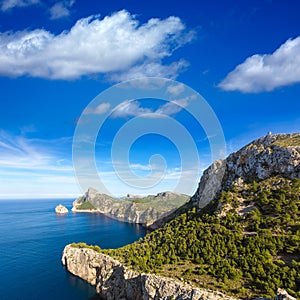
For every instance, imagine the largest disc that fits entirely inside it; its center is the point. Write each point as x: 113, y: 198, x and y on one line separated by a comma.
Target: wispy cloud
x: 175, y: 106
x: 266, y: 72
x: 10, y: 4
x: 19, y: 152
x: 35, y: 168
x: 99, y: 110
x: 116, y: 46
x: 175, y: 89
x: 149, y: 69
x: 61, y: 9
x: 129, y: 108
x: 133, y: 108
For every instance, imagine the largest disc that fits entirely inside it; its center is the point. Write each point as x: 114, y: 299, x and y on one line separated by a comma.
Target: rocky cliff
x: 274, y: 154
x: 114, y: 281
x: 274, y: 162
x: 132, y: 209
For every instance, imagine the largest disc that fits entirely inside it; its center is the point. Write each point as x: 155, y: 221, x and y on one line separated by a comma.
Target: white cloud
x: 132, y: 108
x: 10, y: 4
x: 140, y: 167
x: 115, y: 46
x: 175, y: 89
x: 266, y: 72
x: 61, y: 9
x: 175, y: 106
x: 34, y: 168
x: 19, y: 152
x: 99, y: 110
x: 149, y: 69
x: 129, y: 108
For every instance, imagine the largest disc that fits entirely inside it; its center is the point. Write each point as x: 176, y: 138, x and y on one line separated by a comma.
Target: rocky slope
x: 249, y: 201
x: 271, y: 155
x: 132, y: 209
x: 114, y: 281
x: 274, y: 154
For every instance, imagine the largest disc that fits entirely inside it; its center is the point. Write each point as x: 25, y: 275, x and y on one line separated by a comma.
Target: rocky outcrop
x: 274, y: 154
x: 280, y: 295
x: 132, y: 209
x: 114, y: 281
x: 61, y: 210
x: 283, y: 295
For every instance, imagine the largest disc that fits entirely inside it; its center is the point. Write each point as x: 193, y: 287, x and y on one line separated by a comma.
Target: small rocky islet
x: 61, y: 210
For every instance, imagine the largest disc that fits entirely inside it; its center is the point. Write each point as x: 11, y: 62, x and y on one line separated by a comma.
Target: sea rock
x: 265, y: 157
x: 115, y: 281
x: 61, y: 210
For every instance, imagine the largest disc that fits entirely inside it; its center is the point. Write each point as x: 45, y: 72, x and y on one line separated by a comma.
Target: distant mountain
x: 132, y: 209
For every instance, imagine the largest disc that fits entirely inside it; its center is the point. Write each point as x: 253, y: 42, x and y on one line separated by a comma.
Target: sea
x: 32, y: 238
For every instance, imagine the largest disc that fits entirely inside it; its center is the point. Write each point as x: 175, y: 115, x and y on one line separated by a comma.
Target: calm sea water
x: 32, y: 238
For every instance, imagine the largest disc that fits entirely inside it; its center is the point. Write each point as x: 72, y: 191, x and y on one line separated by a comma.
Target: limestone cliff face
x: 133, y: 209
x: 274, y: 154
x: 114, y: 281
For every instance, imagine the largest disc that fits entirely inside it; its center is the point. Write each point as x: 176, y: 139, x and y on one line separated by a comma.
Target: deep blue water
x: 32, y: 238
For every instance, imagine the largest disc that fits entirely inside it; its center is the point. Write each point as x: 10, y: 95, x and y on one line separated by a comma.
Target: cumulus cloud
x: 10, y: 4
x: 266, y: 72
x: 61, y: 9
x: 117, y: 46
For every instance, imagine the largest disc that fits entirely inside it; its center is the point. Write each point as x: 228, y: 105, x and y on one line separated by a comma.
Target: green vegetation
x: 159, y: 202
x: 246, y: 242
x: 84, y: 245
x: 293, y: 140
x: 86, y: 205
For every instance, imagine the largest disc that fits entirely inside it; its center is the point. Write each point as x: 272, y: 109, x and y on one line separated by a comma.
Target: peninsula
x: 238, y: 235
x: 132, y: 209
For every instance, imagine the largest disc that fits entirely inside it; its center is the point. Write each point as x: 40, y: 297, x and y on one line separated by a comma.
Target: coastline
x: 113, y: 280
x: 93, y: 211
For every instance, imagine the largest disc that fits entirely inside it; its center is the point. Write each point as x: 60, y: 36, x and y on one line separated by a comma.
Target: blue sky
x: 243, y: 57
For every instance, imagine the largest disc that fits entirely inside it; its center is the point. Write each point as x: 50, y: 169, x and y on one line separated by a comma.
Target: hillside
x: 246, y: 240
x: 132, y: 209
x: 240, y: 232
x: 271, y: 155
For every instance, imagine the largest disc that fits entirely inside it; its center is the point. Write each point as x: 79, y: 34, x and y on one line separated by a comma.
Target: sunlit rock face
x: 61, y: 210
x: 274, y: 154
x: 114, y: 281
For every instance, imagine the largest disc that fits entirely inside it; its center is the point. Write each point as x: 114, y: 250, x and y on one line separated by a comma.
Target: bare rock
x: 114, y: 281
x: 274, y: 154
x: 61, y: 210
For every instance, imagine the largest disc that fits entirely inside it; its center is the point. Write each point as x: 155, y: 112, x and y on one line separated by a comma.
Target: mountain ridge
x: 273, y: 154
x: 133, y: 209
x: 240, y: 232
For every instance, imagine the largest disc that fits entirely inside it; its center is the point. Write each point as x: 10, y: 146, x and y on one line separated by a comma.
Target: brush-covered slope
x: 242, y: 237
